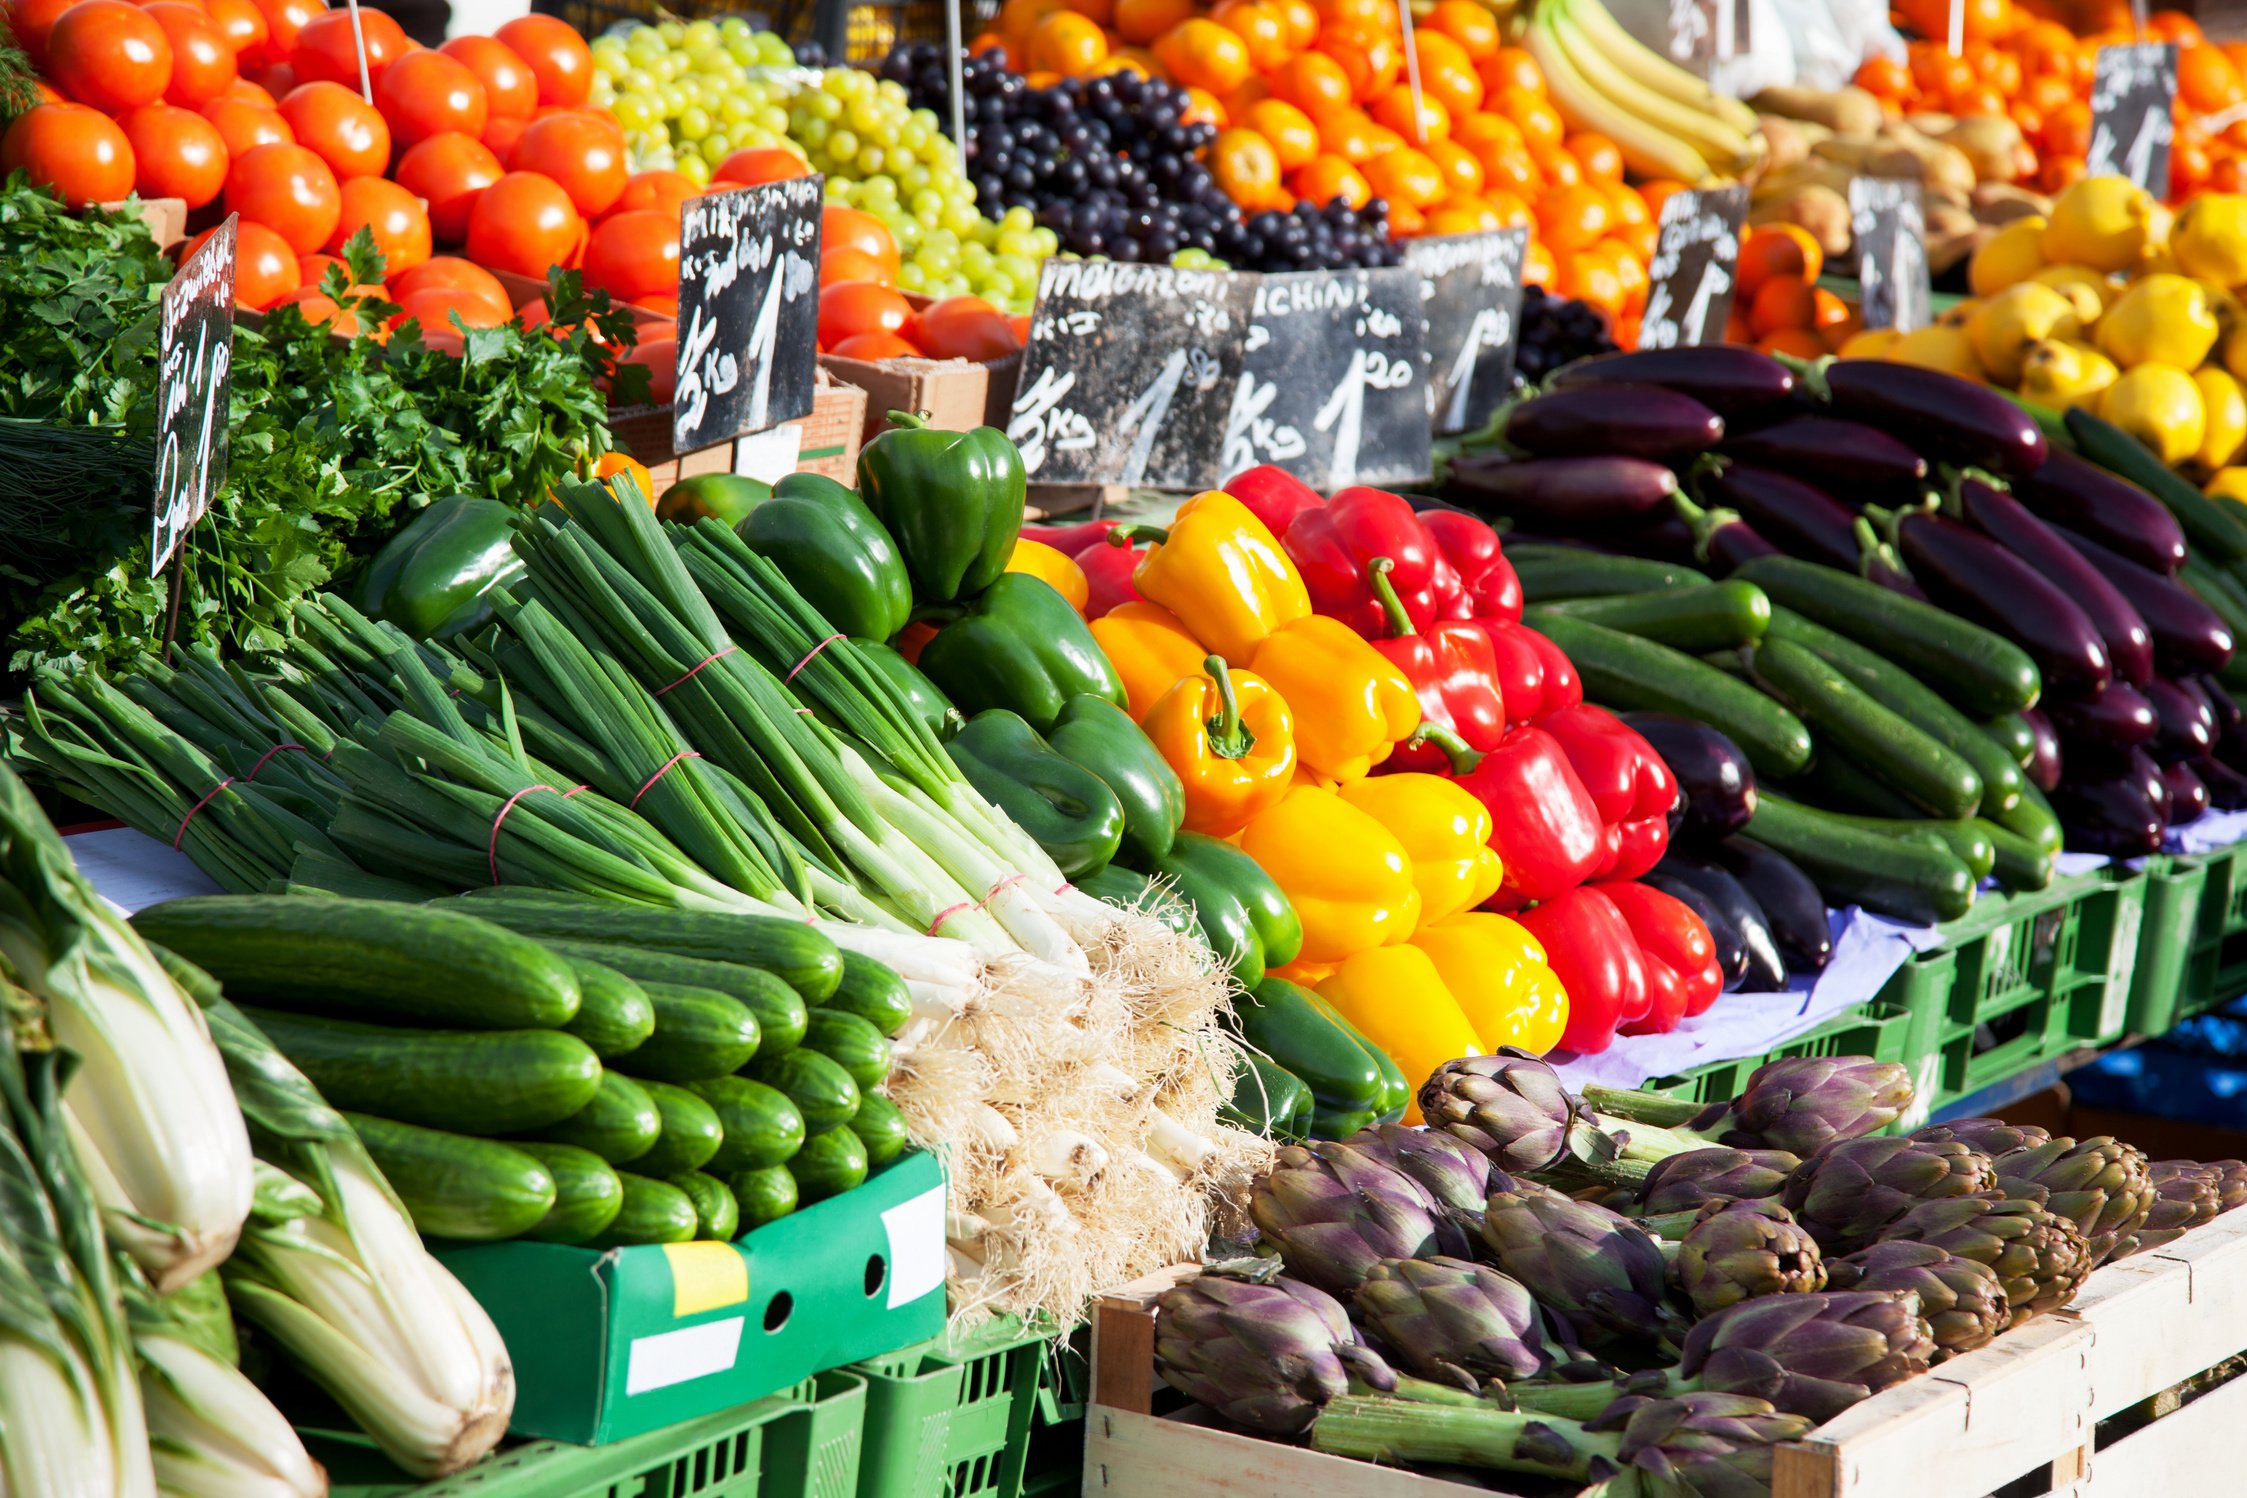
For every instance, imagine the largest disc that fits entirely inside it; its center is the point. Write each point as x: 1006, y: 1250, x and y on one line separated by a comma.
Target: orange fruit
x: 2057, y: 173
x: 2173, y: 26
x: 1511, y: 208
x: 1510, y: 168
x: 1637, y: 238
x: 1540, y: 123
x: 1784, y: 252
x: 1260, y: 27
x: 1067, y: 43
x: 1394, y: 109
x: 1294, y: 138
x: 1599, y: 156
x: 1511, y: 67
x: 1623, y: 200
x: 1781, y: 303
x: 1799, y: 343
x: 1017, y: 20
x: 1141, y: 21
x: 1537, y: 267
x: 1303, y: 23
x: 1099, y: 12
x: 1205, y: 108
x: 1330, y: 177
x: 1349, y: 135
x: 1373, y: 61
x: 1314, y: 83
x: 1202, y: 54
x: 1472, y: 26
x: 1245, y: 165
x: 1460, y: 169
x: 2206, y: 79
x: 1447, y: 72
x: 1573, y: 218
x: 1406, y: 176
x: 1587, y: 277
x: 1406, y: 221
x: 1462, y: 215
x: 1370, y: 14
x: 1560, y: 168
x: 2067, y: 130
x: 1656, y: 191
x: 1827, y: 310
x: 1630, y: 273
x: 1886, y: 78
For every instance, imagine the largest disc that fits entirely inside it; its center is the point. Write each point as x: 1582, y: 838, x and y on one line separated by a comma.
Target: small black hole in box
x: 877, y: 1274
x: 777, y: 1311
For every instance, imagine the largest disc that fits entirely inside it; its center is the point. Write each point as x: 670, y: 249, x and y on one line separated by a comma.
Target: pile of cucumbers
x: 527, y: 1064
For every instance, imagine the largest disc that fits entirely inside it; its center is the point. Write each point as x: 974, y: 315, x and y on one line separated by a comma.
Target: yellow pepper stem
x: 1229, y: 737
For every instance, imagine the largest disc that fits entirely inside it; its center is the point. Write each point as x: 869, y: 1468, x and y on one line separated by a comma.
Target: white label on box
x: 668, y: 1358
x: 769, y: 456
x: 916, y: 1247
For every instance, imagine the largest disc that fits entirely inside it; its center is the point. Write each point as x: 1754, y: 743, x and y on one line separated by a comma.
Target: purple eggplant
x: 2043, y: 768
x: 1730, y: 947
x: 1971, y: 575
x: 1718, y: 784
x: 2226, y: 787
x: 2105, y: 725
x: 2112, y: 511
x: 1789, y: 901
x: 1629, y: 421
x: 1583, y: 492
x: 1732, y: 542
x: 1823, y: 449
x: 2188, y: 635
x: 1949, y: 419
x: 2185, y: 720
x: 2010, y: 524
x: 1800, y: 520
x: 2121, y: 816
x: 1727, y: 378
x: 1766, y: 970
x: 2188, y: 794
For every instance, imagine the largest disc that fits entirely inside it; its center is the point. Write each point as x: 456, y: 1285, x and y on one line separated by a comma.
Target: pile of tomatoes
x: 863, y: 314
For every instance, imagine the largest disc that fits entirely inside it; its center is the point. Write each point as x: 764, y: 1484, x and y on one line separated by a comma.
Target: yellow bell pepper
x: 1352, y: 707
x: 1496, y: 970
x: 1347, y: 876
x: 1445, y: 832
x: 1398, y: 1000
x: 1043, y: 562
x: 1221, y: 572
x: 1230, y: 738
x: 1150, y: 650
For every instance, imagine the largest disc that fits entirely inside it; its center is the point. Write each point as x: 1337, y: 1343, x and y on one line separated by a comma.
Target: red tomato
x: 665, y: 192
x: 557, y: 56
x: 434, y: 307
x: 30, y: 20
x: 276, y: 78
x: 660, y: 358
x: 347, y: 132
x: 854, y: 307
x: 757, y: 164
x: 389, y: 212
x: 503, y: 134
x: 450, y: 272
x: 79, y: 152
x: 176, y: 153
x: 510, y: 88
x: 843, y: 228
x: 264, y: 268
x: 448, y: 171
x: 283, y: 20
x: 202, y: 60
x: 245, y: 127
x: 427, y: 93
x: 525, y: 223
x: 109, y: 55
x: 242, y: 91
x: 874, y: 347
x: 965, y: 327
x: 289, y: 190
x: 578, y: 152
x: 634, y: 255
x: 317, y: 308
x: 242, y: 24
x: 667, y: 304
x: 325, y: 49
x: 841, y: 263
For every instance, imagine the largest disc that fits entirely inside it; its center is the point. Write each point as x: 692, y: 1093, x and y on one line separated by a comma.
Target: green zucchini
x: 1125, y: 890
x: 691, y: 1132
x: 2012, y: 734
x: 1916, y: 878
x: 718, y: 1213
x: 791, y: 950
x: 473, y: 1190
x: 1624, y: 672
x: 851, y: 1043
x: 2033, y: 819
x: 761, y: 1126
x: 467, y: 1081
x: 829, y: 1164
x: 614, y: 1016
x: 762, y: 1196
x: 1551, y: 572
x: 652, y: 1212
x: 368, y: 959
x: 1844, y: 717
x: 699, y: 1033
x: 2211, y: 531
x: 621, y: 1124
x: 1981, y: 673
x: 873, y: 992
x: 587, y: 1194
x: 881, y: 1128
x: 822, y: 1091
x: 2020, y: 863
x: 779, y: 1009
x: 1721, y: 616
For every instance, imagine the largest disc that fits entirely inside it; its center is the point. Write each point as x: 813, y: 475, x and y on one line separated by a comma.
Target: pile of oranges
x: 1777, y: 304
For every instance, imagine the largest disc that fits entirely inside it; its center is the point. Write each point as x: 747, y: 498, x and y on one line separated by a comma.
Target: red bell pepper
x: 1487, y: 586
x: 1543, y: 823
x: 1273, y: 495
x: 1070, y: 539
x: 1682, y: 975
x: 1628, y: 780
x: 1333, y: 546
x: 1535, y: 676
x: 1107, y: 575
x: 1591, y: 950
x: 1452, y: 669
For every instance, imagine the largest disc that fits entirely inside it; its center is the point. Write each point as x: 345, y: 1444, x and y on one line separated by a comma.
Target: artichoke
x: 1992, y: 1136
x: 2231, y: 1182
x: 1453, y: 1174
x: 1458, y: 1322
x: 1683, y: 1183
x: 1333, y: 1211
x: 2101, y: 1185
x: 1705, y: 1444
x: 2040, y: 1257
x: 1513, y: 1109
x: 1799, y: 1104
x: 1267, y: 1356
x: 1596, y: 1267
x: 1963, y: 1300
x: 1850, y: 1191
x: 2187, y: 1193
x: 1813, y: 1355
x: 1736, y: 1251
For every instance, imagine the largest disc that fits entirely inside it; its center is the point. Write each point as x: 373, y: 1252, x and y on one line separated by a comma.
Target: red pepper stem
x: 1132, y: 535
x: 1464, y: 756
x: 1385, y: 594
x: 1229, y: 737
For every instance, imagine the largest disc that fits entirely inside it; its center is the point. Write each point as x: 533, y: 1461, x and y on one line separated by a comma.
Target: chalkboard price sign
x: 1692, y: 270
x: 194, y: 375
x: 1471, y: 288
x: 748, y: 311
x: 1126, y: 373
x: 1692, y: 33
x: 1335, y: 385
x: 1889, y: 219
x: 2133, y: 91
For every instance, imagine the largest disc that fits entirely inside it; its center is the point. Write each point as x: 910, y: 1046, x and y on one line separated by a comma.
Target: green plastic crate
x: 1878, y: 1029
x: 952, y: 1418
x: 2215, y: 971
x: 2175, y: 887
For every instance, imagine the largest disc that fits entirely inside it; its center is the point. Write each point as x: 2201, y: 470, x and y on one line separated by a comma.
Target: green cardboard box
x: 611, y: 1344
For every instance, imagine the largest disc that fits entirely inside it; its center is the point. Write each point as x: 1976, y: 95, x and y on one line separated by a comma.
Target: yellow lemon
x: 2080, y: 282
x: 2061, y: 374
x: 2105, y: 223
x: 2160, y: 406
x: 2224, y: 405
x: 2210, y: 240
x: 1958, y: 313
x: 1870, y: 343
x: 2003, y: 327
x: 2014, y: 253
x: 2228, y: 483
x: 2160, y: 319
x: 1938, y: 347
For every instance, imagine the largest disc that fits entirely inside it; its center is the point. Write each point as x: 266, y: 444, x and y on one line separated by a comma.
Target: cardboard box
x: 827, y: 440
x: 612, y: 1344
x: 955, y: 394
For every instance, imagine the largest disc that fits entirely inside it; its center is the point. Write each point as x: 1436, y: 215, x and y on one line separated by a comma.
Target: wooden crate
x: 2029, y: 1403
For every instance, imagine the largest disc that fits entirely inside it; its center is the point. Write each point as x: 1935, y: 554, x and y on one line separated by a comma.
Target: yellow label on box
x: 705, y: 1276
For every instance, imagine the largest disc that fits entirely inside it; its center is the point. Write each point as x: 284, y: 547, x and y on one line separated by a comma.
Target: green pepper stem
x: 911, y: 421
x: 1132, y: 535
x: 1385, y: 593
x: 1464, y: 756
x: 1229, y: 737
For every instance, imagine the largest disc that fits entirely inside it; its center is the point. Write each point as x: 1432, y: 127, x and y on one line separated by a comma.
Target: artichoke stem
x: 1647, y: 1142
x: 1375, y: 1429
x: 1642, y: 1107
x: 1584, y: 1401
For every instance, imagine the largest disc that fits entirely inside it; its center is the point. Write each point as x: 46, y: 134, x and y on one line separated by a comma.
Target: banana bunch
x: 1666, y: 122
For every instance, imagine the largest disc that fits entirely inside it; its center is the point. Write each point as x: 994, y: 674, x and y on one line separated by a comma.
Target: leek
x: 211, y: 1432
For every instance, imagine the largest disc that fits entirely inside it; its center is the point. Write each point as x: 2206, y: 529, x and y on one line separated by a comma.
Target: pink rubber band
x: 198, y: 806
x: 1065, y: 888
x: 822, y: 645
x: 946, y: 914
x: 268, y: 754
x: 994, y: 891
x: 634, y: 803
x: 491, y: 854
x: 698, y: 665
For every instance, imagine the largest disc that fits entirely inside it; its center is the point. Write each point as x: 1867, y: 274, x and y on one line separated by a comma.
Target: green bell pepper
x: 1069, y: 810
x: 1270, y: 1100
x: 1120, y: 887
x: 919, y: 693
x: 726, y: 497
x: 836, y: 553
x: 434, y: 578
x: 1283, y: 1021
x: 1396, y: 1088
x: 952, y: 500
x: 1243, y: 915
x: 1020, y: 646
x: 1099, y: 735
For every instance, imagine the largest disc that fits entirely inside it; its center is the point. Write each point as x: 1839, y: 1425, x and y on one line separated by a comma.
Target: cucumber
x: 475, y: 1190
x: 614, y: 1016
x: 762, y: 1196
x: 587, y: 1194
x: 621, y: 1124
x: 2012, y: 734
x: 1549, y: 572
x: 1120, y: 887
x: 1626, y: 673
x: 691, y: 1132
x: 822, y: 1091
x: 1838, y: 783
x: 2020, y: 863
x: 881, y: 1128
x: 368, y: 959
x: 873, y: 992
x: 2211, y: 531
x: 652, y: 1212
x: 719, y: 1214
x: 2226, y: 595
x: 851, y: 1043
x: 2033, y: 819
x: 1844, y: 716
x: 778, y: 1008
x: 467, y: 1081
x: 1721, y: 616
x: 808, y: 962
x: 829, y: 1164
x: 1914, y: 878
x: 1981, y: 673
x: 762, y: 1127
x: 700, y: 1033
x: 1968, y: 839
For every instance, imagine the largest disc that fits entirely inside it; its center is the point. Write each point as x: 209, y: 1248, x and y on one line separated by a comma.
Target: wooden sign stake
x: 955, y: 69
